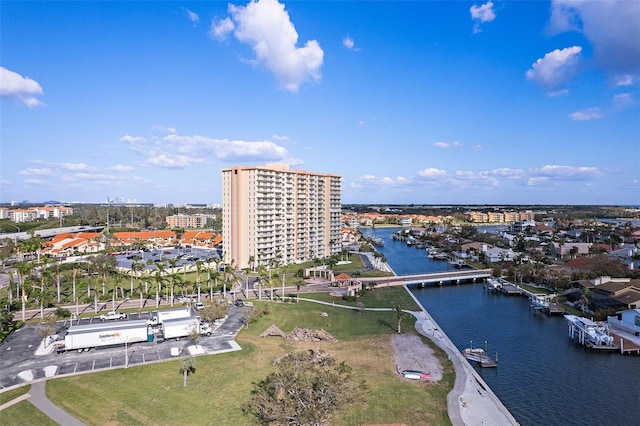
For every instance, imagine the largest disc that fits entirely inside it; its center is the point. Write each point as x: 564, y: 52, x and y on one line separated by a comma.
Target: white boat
x: 589, y: 333
x: 493, y: 285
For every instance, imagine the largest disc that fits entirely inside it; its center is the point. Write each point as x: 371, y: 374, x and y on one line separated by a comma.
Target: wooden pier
x: 480, y: 356
x: 626, y: 346
x: 511, y: 290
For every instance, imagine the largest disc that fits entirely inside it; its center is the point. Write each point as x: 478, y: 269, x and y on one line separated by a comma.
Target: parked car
x: 239, y: 302
x: 198, y: 306
x: 113, y: 316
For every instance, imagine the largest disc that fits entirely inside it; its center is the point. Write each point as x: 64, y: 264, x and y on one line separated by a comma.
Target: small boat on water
x: 480, y: 356
x: 415, y: 375
x: 376, y: 241
x: 493, y: 285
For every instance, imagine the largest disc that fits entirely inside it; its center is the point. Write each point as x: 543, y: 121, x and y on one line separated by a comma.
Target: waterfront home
x: 628, y: 255
x: 567, y: 249
x: 497, y: 254
x: 611, y: 293
x: 628, y: 320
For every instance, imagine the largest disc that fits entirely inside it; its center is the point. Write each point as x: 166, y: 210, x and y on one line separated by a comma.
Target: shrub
x: 63, y: 313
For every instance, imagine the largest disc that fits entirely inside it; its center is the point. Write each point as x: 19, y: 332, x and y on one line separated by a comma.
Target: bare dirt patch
x: 411, y: 353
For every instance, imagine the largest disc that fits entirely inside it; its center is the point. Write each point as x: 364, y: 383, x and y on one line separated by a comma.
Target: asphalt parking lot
x: 19, y: 362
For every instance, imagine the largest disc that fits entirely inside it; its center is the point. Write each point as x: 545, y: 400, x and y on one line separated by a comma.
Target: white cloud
x: 163, y: 129
x: 557, y: 172
x: 74, y: 166
x: 177, y: 151
x: 610, y: 26
x: 36, y: 172
x: 373, y: 181
x: 622, y: 100
x: 481, y: 14
x: 348, y: 42
x: 505, y: 173
x: 538, y: 181
x: 265, y: 26
x: 19, y: 88
x: 193, y: 17
x: 221, y: 28
x: 122, y: 169
x: 623, y: 80
x: 553, y: 71
x: 431, y: 173
x: 587, y: 114
x: 94, y: 177
x: 172, y: 161
x: 441, y: 144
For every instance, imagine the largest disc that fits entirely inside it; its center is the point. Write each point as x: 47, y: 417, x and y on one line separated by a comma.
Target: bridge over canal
x: 437, y: 278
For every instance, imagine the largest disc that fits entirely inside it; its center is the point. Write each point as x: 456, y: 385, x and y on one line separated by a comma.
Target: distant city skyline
x: 423, y: 102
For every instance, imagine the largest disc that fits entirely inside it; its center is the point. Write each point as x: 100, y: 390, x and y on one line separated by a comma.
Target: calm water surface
x: 542, y: 378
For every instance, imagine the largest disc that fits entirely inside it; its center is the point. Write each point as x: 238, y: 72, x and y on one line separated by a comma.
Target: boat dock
x: 626, y: 346
x: 543, y: 303
x: 480, y: 356
x: 589, y: 333
x: 510, y: 289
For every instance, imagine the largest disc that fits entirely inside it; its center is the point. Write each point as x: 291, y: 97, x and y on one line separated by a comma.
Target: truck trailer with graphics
x: 84, y: 337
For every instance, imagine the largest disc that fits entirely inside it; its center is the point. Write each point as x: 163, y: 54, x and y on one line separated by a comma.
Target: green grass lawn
x: 378, y: 298
x: 13, y: 394
x: 153, y: 394
x: 24, y: 413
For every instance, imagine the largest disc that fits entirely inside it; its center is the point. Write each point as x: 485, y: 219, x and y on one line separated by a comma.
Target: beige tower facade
x: 272, y: 215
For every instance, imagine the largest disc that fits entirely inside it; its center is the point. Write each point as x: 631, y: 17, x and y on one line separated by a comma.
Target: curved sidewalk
x: 471, y: 401
x: 38, y: 398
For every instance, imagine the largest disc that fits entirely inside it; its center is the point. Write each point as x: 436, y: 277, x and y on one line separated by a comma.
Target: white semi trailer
x: 168, y: 314
x: 182, y: 327
x: 84, y: 337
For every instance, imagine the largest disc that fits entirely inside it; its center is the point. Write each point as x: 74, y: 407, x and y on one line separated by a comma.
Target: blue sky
x: 426, y: 102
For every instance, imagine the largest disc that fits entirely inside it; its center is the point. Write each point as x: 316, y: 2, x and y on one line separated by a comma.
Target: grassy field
x: 13, y: 393
x: 24, y: 413
x: 153, y: 394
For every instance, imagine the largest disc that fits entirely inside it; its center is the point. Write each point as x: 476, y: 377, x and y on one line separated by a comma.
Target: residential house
x: 627, y: 320
x: 497, y: 254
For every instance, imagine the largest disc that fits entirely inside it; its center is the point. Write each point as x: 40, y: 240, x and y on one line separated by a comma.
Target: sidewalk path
x: 41, y: 402
x: 471, y: 401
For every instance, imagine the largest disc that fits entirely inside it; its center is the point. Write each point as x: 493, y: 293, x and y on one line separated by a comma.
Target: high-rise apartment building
x: 272, y: 215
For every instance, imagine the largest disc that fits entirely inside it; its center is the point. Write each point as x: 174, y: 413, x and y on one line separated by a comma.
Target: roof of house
x: 197, y: 235
x: 580, y: 263
x: 144, y: 235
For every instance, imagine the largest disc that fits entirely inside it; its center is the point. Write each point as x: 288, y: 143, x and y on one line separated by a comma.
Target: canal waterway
x: 542, y: 377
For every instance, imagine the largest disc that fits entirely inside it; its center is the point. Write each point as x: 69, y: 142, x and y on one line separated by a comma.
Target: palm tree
x: 400, y: 315
x: 42, y: 297
x: 24, y: 269
x: 299, y: 283
x: 187, y: 366
x: 585, y: 297
x: 199, y: 266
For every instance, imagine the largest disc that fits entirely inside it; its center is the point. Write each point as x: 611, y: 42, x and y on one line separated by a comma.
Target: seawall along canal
x: 542, y: 377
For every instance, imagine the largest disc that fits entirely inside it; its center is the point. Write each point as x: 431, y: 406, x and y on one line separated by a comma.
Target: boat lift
x: 480, y: 356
